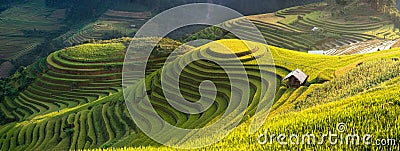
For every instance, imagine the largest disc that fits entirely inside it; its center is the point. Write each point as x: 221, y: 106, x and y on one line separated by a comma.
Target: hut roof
x: 300, y: 75
x: 319, y: 52
x: 315, y: 29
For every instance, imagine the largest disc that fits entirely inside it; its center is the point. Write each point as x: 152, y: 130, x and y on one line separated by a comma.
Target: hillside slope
x: 34, y: 29
x: 50, y: 94
x: 53, y: 111
x: 358, y: 29
x: 373, y: 112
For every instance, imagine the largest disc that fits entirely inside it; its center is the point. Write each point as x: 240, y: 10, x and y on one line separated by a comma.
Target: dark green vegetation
x: 5, y: 4
x: 27, y: 25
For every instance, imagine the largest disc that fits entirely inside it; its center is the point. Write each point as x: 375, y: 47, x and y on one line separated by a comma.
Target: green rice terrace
x: 30, y: 27
x: 318, y: 27
x: 73, y: 99
x: 110, y: 25
x: 34, y: 27
x: 22, y: 27
x: 72, y: 96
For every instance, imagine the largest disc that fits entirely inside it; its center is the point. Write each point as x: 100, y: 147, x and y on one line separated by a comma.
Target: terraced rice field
x: 362, y: 47
x: 112, y: 15
x: 32, y: 15
x: 122, y: 23
x: 95, y: 31
x: 192, y: 75
x: 90, y: 125
x: 74, y: 92
x: 349, y: 32
x: 376, y: 102
x: 196, y: 72
x: 91, y: 32
x: 76, y: 102
x: 291, y: 28
x: 352, y: 110
x: 64, y: 83
x: 73, y: 77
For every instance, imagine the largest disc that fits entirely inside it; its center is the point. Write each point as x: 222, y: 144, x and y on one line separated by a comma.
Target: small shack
x: 318, y: 52
x: 315, y: 29
x: 296, y: 78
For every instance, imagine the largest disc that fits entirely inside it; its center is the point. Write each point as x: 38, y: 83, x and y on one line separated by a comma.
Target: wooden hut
x: 295, y: 79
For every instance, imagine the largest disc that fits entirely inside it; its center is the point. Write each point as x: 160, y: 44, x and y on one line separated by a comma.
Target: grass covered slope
x: 196, y: 68
x: 320, y: 68
x: 54, y: 112
x: 63, y: 91
x: 374, y: 111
